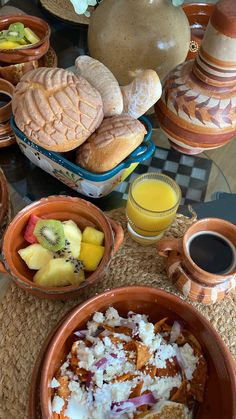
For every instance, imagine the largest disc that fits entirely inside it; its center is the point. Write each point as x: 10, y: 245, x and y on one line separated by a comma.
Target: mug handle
x: 167, y: 245
x: 118, y: 234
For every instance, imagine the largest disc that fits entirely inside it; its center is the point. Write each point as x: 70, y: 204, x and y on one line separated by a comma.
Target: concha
x: 55, y: 109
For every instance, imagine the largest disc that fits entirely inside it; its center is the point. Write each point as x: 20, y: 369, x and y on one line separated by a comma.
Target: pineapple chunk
x: 93, y: 236
x: 73, y: 235
x: 35, y: 256
x: 91, y: 255
x: 78, y: 278
x: 57, y: 273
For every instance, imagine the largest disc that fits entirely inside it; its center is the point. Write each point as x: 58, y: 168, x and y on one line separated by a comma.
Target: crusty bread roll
x: 114, y: 140
x: 103, y: 80
x: 142, y: 93
x: 55, y: 109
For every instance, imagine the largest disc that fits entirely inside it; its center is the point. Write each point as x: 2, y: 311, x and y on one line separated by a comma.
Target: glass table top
x: 198, y: 176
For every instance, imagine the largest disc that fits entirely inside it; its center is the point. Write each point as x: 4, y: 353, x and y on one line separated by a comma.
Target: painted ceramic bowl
x: 77, y: 178
x: 198, y: 15
x: 14, y: 72
x: 220, y: 393
x: 30, y: 52
x: 6, y: 92
x: 83, y: 213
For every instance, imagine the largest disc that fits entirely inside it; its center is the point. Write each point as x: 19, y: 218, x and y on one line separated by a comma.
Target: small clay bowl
x: 31, y: 52
x: 63, y: 208
x: 198, y: 15
x: 14, y: 72
x: 7, y: 89
x: 220, y: 392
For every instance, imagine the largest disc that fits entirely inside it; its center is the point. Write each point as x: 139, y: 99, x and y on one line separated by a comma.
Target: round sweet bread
x: 56, y: 109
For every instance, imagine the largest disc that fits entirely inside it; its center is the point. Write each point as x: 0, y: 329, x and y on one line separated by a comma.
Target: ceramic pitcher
x: 197, y: 110
x: 129, y: 35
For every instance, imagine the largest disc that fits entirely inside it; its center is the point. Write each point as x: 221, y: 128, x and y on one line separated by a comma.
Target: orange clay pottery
x: 220, y: 393
x: 129, y: 35
x: 29, y: 52
x: 7, y: 89
x: 194, y: 282
x: 197, y: 110
x: 198, y: 15
x: 83, y: 213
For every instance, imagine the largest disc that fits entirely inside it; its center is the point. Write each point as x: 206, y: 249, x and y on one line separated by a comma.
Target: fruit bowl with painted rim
x: 77, y: 178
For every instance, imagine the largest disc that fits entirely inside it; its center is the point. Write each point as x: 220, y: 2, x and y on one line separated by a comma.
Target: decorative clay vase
x: 129, y: 35
x: 197, y: 110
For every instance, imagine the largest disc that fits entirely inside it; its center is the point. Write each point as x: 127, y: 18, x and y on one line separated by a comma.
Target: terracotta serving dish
x: 61, y: 208
x: 198, y: 15
x: 220, y: 394
x: 7, y: 89
x: 14, y: 72
x: 31, y: 52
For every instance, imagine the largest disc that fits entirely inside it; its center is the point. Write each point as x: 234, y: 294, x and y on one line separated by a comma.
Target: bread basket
x: 77, y: 178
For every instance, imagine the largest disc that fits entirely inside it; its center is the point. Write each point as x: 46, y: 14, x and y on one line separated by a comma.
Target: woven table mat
x: 26, y: 321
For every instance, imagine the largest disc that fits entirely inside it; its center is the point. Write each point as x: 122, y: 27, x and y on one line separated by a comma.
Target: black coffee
x: 4, y: 99
x: 212, y: 253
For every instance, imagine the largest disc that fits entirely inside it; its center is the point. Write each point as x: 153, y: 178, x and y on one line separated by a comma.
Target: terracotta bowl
x: 3, y: 199
x: 198, y: 15
x: 14, y: 72
x: 61, y: 208
x: 5, y: 111
x: 220, y: 394
x: 28, y: 53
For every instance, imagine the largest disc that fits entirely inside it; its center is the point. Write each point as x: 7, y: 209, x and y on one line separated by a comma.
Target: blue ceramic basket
x: 77, y: 178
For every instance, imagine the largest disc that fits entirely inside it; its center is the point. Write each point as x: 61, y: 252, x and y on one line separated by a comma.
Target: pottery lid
x: 224, y: 17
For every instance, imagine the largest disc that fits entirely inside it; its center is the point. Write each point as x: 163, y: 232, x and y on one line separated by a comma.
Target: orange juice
x: 152, y: 205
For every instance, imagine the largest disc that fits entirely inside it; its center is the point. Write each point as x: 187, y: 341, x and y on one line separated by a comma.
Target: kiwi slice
x: 31, y: 36
x: 3, y: 34
x: 15, y: 32
x: 50, y: 234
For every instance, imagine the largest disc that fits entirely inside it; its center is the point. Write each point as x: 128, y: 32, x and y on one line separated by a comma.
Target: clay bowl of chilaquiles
x: 60, y: 208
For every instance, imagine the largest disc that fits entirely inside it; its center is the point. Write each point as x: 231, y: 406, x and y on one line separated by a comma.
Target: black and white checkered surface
x: 190, y: 172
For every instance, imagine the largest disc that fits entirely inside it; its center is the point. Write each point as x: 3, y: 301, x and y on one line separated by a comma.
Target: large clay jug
x: 129, y: 35
x: 197, y: 110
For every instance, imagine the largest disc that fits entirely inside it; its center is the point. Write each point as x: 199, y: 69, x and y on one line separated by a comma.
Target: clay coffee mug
x: 192, y: 263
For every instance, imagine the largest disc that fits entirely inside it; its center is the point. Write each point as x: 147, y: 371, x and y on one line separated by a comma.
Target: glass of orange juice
x: 151, y: 207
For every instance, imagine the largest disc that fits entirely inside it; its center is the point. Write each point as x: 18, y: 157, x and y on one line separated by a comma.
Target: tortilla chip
x: 124, y: 377
x: 180, y: 396
x: 149, y: 369
x: 119, y: 329
x: 158, y: 325
x: 115, y: 340
x: 198, y: 382
x: 82, y: 373
x: 170, y: 371
x: 63, y: 391
x: 136, y: 391
x: 142, y: 353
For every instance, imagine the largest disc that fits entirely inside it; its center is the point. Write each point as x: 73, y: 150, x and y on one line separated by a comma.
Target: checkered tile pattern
x: 190, y: 172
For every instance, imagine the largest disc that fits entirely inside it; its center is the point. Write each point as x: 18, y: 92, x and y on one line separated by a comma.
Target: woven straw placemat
x: 64, y: 10
x: 26, y: 321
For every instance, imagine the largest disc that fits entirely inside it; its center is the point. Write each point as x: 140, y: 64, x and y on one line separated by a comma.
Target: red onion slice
x: 81, y: 333
x: 175, y: 331
x: 131, y: 404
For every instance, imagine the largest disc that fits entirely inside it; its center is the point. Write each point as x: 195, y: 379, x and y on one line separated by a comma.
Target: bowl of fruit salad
x: 23, y: 38
x: 137, y: 352
x: 57, y: 246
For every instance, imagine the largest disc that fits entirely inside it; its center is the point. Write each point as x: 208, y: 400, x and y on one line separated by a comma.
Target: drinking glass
x: 151, y: 206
